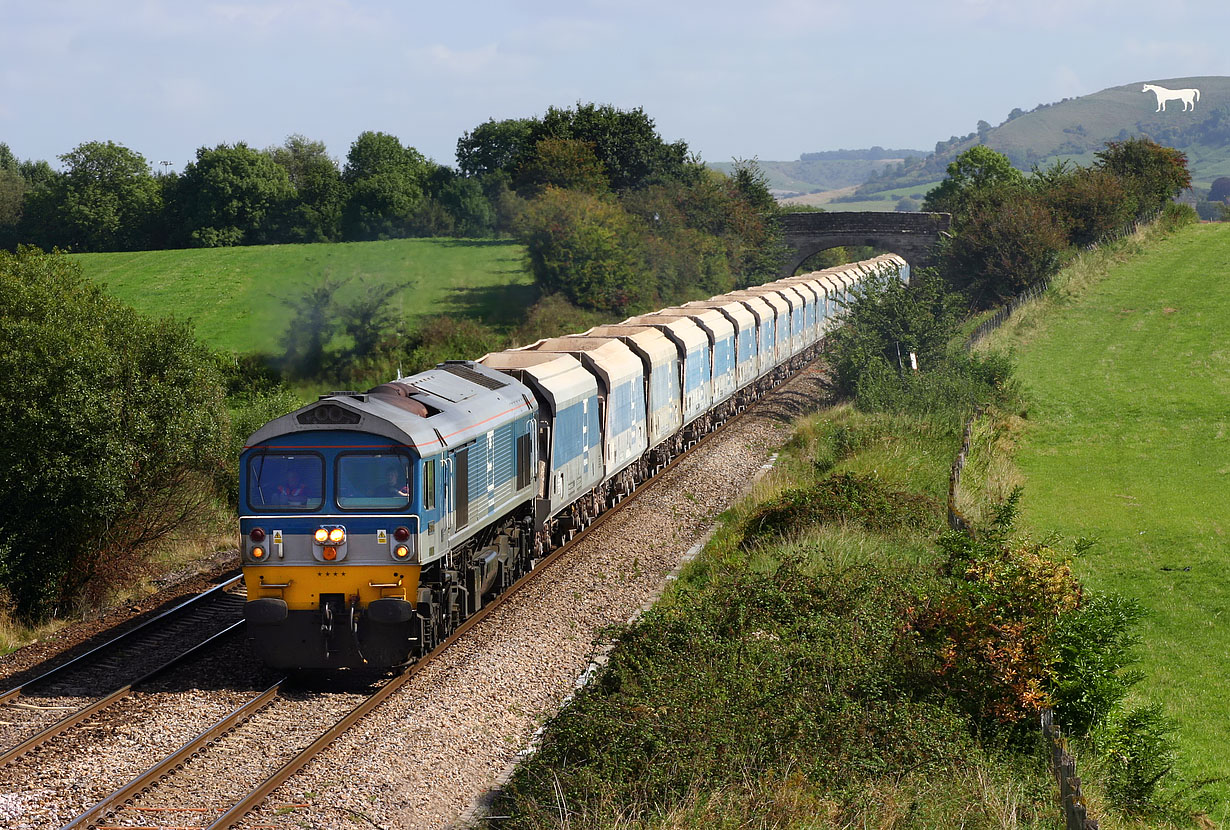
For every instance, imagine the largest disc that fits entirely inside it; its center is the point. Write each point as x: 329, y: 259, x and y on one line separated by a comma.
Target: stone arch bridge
x: 910, y: 235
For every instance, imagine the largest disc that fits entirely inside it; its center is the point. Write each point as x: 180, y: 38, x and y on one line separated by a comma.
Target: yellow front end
x: 301, y: 586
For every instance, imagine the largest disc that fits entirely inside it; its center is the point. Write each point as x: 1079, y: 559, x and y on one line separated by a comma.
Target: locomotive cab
x: 360, y: 539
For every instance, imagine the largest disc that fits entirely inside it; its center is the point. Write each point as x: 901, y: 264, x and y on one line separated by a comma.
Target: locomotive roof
x: 436, y: 409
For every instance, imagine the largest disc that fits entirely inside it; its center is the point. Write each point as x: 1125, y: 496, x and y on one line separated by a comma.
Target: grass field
x: 1129, y: 384
x: 236, y: 296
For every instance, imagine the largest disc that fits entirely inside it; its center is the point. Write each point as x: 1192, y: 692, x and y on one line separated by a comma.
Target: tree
x: 567, y: 163
x: 12, y: 193
x: 495, y: 146
x: 1088, y: 203
x: 464, y: 200
x: 1220, y: 191
x: 1007, y: 241
x: 1152, y: 173
x: 115, y: 433
x: 108, y: 199
x: 625, y: 142
x: 886, y: 319
x: 386, y: 186
x: 587, y: 248
x: 316, y: 213
x: 233, y: 195
x: 976, y: 171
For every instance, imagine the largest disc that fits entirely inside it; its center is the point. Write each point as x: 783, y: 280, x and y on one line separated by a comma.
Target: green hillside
x: 236, y: 296
x: 1077, y: 128
x: 1126, y: 443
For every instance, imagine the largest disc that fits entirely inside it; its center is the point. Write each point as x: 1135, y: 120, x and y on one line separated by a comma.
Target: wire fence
x: 1034, y: 291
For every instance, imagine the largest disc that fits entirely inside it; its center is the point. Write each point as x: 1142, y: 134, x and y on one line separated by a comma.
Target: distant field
x: 236, y: 296
x: 894, y: 195
x: 1129, y: 442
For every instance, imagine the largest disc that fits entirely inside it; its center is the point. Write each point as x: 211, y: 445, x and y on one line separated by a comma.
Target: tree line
x: 121, y: 430
x: 1012, y: 231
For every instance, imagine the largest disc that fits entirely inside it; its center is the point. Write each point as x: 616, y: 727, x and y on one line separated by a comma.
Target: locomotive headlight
x: 321, y: 536
x: 257, y: 534
x: 337, y: 535
x: 330, y: 554
x: 401, y: 552
x: 258, y: 552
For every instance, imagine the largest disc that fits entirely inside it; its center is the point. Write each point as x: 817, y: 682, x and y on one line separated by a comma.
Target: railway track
x: 267, y: 738
x: 48, y: 705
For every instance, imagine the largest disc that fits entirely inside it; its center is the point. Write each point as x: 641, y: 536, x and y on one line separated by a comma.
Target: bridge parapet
x: 912, y: 235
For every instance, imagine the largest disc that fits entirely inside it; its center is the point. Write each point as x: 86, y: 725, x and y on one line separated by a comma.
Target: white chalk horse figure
x: 1189, y: 97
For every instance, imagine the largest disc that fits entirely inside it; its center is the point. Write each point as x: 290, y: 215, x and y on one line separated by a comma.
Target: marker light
x: 258, y: 552
x: 321, y: 536
x: 257, y: 534
x: 401, y: 534
x: 337, y: 536
x: 330, y: 554
x: 401, y: 552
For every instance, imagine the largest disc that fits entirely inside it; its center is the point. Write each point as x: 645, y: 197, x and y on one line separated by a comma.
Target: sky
x: 767, y: 79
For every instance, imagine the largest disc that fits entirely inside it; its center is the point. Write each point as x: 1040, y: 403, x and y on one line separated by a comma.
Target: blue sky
x: 771, y: 79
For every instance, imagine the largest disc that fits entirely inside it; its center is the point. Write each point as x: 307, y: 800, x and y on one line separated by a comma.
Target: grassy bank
x: 823, y: 663
x: 236, y: 296
x: 1127, y: 371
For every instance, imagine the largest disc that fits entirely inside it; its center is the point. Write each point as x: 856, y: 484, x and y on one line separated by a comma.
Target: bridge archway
x: 910, y: 235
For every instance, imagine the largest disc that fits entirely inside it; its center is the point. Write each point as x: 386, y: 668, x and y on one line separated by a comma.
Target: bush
x: 1136, y: 750
x: 115, y: 432
x: 1008, y: 242
x: 587, y: 248
x: 885, y: 320
x: 1090, y: 204
x: 845, y: 497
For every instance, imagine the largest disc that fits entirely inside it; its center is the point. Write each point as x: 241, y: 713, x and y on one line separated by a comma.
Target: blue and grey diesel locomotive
x: 374, y: 523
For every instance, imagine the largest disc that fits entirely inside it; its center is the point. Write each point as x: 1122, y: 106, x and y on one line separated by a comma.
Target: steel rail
x: 81, y: 715
x: 121, y: 639
x: 259, y: 793
x: 150, y: 777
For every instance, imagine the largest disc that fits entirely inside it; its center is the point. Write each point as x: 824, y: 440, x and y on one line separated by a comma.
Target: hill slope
x: 237, y: 296
x: 1077, y: 128
x: 833, y: 170
x: 1126, y: 443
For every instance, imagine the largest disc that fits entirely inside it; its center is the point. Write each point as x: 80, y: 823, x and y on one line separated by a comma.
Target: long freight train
x: 373, y: 524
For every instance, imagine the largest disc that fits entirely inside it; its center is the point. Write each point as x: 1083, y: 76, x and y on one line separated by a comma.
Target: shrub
x: 991, y: 632
x: 587, y: 248
x: 115, y: 430
x: 1136, y: 750
x: 1090, y: 204
x: 845, y: 497
x: 886, y: 320
x: 1008, y: 242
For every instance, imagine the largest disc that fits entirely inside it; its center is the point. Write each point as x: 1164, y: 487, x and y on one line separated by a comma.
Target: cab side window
x: 429, y: 484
